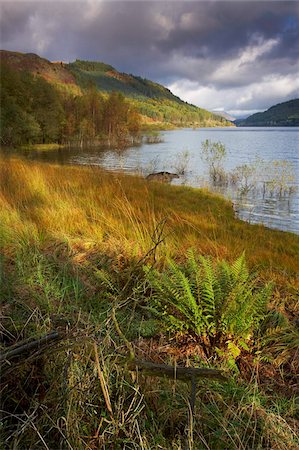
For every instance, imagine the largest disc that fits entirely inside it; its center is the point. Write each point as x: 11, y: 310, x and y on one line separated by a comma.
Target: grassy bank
x: 42, y: 147
x: 74, y: 243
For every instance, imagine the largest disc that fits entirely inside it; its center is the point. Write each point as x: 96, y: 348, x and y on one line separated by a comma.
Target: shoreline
x: 125, y: 172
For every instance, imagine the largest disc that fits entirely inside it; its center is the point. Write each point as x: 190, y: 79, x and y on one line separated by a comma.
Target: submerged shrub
x: 214, y: 153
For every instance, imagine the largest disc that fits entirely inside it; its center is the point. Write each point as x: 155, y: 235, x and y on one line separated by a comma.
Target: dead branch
x: 180, y: 373
x: 27, y: 346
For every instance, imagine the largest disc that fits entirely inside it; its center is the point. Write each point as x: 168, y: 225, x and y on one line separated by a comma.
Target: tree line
x: 34, y: 111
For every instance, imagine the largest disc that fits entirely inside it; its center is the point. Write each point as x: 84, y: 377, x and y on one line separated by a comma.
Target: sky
x: 237, y: 56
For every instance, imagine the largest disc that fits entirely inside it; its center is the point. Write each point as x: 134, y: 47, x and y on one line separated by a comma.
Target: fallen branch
x: 180, y: 373
x: 29, y: 346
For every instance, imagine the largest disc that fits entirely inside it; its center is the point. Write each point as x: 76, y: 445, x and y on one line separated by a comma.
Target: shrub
x: 213, y: 153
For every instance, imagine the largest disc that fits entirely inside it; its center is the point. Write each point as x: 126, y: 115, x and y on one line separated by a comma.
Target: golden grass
x: 83, y: 215
x: 90, y: 204
x: 42, y: 147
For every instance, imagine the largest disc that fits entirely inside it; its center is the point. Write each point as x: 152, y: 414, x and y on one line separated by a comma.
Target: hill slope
x: 155, y: 102
x: 107, y: 79
x: 54, y: 73
x: 282, y: 115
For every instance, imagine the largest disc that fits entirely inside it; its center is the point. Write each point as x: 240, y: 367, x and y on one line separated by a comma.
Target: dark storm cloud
x: 220, y: 47
x: 14, y: 18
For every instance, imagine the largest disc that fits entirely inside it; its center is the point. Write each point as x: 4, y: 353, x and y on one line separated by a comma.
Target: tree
x: 120, y: 119
x: 47, y: 110
x: 17, y: 124
x: 115, y: 115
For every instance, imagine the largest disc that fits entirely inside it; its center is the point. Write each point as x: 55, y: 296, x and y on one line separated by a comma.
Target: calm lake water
x: 243, y: 145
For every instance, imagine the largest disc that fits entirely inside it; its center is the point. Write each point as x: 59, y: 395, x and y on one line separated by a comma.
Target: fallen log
x: 186, y: 374
x: 174, y: 372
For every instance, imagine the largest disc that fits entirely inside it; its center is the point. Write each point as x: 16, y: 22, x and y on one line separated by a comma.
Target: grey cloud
x: 164, y: 41
x: 13, y: 20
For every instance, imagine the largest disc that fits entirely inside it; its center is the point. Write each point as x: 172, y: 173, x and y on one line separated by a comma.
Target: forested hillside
x: 57, y: 102
x: 152, y: 100
x: 282, y: 115
x: 34, y: 111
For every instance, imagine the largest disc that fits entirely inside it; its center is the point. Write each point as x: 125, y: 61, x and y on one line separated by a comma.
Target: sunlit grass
x: 61, y: 230
x: 72, y: 203
x: 91, y: 211
x: 42, y: 147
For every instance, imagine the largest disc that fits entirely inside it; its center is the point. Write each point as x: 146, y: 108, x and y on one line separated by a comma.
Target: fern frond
x: 207, y: 291
x: 210, y: 300
x: 239, y: 270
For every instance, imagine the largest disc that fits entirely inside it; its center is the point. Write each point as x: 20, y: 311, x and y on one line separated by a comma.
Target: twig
x: 157, y: 239
x: 122, y: 336
x: 193, y: 394
x: 66, y: 369
x: 102, y: 381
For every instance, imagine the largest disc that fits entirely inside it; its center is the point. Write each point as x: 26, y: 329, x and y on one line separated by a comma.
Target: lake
x: 257, y: 146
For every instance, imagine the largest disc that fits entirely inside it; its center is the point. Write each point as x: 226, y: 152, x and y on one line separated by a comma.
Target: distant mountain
x: 237, y: 122
x: 225, y: 115
x: 156, y: 103
x: 282, y: 115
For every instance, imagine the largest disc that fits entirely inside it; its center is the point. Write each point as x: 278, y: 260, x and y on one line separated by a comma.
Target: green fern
x: 220, y: 302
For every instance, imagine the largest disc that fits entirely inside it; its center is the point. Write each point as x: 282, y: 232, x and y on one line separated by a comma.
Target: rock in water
x: 162, y: 177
